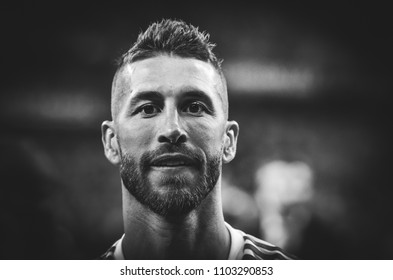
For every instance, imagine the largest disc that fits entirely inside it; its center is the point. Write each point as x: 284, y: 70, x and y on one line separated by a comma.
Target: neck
x: 200, y: 234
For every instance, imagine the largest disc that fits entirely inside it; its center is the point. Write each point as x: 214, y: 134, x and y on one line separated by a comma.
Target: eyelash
x: 202, y: 106
x: 141, y: 108
x: 157, y: 109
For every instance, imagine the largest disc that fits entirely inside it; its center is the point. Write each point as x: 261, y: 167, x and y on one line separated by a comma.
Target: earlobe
x: 111, y: 147
x: 230, y: 142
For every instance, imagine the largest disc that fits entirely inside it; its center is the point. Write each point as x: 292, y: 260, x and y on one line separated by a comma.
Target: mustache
x: 149, y: 156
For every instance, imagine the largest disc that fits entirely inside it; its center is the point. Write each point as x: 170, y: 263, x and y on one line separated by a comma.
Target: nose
x: 171, y: 129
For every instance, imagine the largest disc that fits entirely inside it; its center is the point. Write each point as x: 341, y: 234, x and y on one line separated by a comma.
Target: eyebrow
x: 187, y: 94
x: 199, y: 95
x: 145, y: 95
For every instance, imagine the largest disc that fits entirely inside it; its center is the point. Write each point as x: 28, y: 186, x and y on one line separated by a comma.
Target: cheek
x: 135, y: 138
x: 208, y: 135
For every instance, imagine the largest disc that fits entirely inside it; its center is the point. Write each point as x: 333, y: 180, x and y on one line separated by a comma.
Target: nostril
x: 181, y: 139
x: 174, y: 137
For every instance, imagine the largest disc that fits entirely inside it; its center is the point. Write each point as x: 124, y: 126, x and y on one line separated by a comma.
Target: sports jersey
x: 243, y: 247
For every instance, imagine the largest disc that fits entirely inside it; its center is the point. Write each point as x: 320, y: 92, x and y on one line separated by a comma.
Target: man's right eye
x: 149, y: 110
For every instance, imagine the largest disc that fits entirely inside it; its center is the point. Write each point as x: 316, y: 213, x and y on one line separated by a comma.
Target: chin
x: 175, y: 181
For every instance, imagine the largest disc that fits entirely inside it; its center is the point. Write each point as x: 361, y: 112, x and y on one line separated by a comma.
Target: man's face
x: 170, y: 128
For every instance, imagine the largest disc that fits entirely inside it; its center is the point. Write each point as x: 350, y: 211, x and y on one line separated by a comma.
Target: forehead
x: 171, y: 75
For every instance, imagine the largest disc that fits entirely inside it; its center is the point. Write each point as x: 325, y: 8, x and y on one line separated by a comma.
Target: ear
x: 111, y: 146
x: 230, y: 141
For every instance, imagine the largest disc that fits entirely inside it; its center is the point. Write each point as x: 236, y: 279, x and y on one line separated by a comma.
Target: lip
x: 173, y: 161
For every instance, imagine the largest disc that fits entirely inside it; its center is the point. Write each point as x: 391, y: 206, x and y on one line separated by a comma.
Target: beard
x: 177, y: 194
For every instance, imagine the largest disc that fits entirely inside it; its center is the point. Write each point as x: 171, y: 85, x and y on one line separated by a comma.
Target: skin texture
x: 168, y: 101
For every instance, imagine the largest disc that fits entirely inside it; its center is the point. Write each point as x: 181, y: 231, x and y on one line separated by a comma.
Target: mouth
x: 173, y: 161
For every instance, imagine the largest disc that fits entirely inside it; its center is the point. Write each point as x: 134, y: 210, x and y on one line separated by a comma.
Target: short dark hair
x: 173, y: 37
x: 170, y: 37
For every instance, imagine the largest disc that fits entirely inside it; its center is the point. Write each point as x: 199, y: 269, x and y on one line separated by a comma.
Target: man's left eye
x: 195, y: 108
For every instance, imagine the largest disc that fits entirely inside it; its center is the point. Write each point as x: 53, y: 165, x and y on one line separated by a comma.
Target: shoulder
x: 114, y: 252
x: 109, y: 254
x: 248, y: 247
x: 258, y: 249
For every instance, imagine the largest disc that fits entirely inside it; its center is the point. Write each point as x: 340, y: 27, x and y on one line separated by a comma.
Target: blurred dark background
x: 310, y: 85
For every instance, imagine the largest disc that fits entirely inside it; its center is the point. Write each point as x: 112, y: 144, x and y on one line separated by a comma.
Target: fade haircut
x: 170, y: 37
